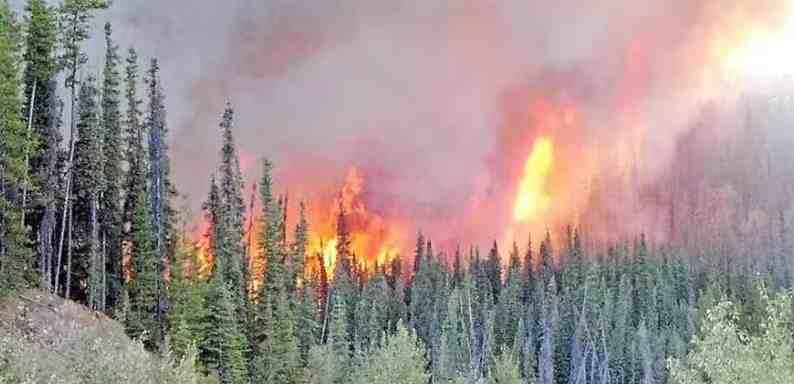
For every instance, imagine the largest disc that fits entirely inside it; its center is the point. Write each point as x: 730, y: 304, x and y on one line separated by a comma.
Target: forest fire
x: 759, y: 48
x: 375, y: 240
x: 533, y: 198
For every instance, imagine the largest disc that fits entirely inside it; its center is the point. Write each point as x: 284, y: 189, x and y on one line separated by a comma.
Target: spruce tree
x: 85, y: 268
x: 110, y: 196
x: 222, y: 345
x: 43, y: 108
x: 339, y: 339
x: 455, y: 343
x: 229, y: 242
x: 493, y: 270
x: 74, y: 18
x: 159, y: 181
x: 135, y: 177
x: 305, y: 289
x: 278, y: 359
x: 273, y: 281
x: 112, y: 151
x: 186, y: 299
x: 142, y: 318
x: 510, y: 309
x: 15, y: 255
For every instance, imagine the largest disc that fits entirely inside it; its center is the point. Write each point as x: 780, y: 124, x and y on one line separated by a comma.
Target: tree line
x: 91, y: 217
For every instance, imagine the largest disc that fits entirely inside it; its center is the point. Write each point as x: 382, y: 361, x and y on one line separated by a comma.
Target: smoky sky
x: 418, y: 93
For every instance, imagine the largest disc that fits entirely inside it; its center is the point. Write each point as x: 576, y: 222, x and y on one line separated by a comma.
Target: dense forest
x: 88, y: 212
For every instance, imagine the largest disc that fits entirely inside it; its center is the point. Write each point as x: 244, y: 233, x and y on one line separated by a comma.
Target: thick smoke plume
x: 437, y: 104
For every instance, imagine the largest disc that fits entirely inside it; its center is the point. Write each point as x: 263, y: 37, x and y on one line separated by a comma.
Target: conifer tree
x: 159, y: 181
x: 297, y: 264
x: 278, y: 359
x: 339, y: 339
x: 142, y: 319
x: 15, y: 255
x: 74, y: 21
x: 43, y: 108
x: 229, y: 242
x: 222, y: 346
x: 110, y: 196
x: 305, y: 288
x: 455, y: 343
x: 493, y: 270
x: 186, y: 299
x: 135, y: 177
x: 85, y: 268
x: 509, y: 309
x: 372, y: 312
x: 274, y: 277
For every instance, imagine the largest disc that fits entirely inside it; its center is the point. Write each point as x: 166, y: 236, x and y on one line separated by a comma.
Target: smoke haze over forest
x: 436, y: 105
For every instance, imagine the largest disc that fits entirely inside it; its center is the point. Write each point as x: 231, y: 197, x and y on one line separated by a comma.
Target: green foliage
x: 222, y: 345
x: 188, y: 308
x: 400, y: 360
x: 56, y: 341
x: 15, y: 255
x: 142, y: 317
x: 112, y: 151
x: 726, y: 353
x: 505, y: 370
x: 87, y: 186
x: 278, y: 359
x: 75, y: 27
x: 229, y: 248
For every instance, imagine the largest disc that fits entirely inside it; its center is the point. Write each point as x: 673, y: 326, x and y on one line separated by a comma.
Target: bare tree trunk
x: 94, y: 277
x: 67, y: 196
x: 27, y: 152
x: 104, y: 272
x: 69, y: 255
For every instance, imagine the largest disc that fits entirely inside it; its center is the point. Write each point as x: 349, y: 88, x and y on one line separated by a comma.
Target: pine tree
x: 305, y: 289
x: 457, y: 269
x: 186, y: 297
x: 339, y: 339
x: 42, y: 107
x: 74, y: 21
x: 493, y: 270
x: 455, y: 343
x: 135, y: 178
x: 273, y: 280
x: 229, y: 242
x: 222, y: 344
x: 278, y: 359
x: 372, y: 312
x: 15, y: 255
x: 86, y: 268
x: 159, y: 181
x: 142, y: 319
x: 297, y: 264
x: 509, y: 309
x: 110, y: 196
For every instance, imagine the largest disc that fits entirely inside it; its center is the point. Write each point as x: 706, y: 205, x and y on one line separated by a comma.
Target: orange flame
x: 374, y: 239
x: 533, y: 198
